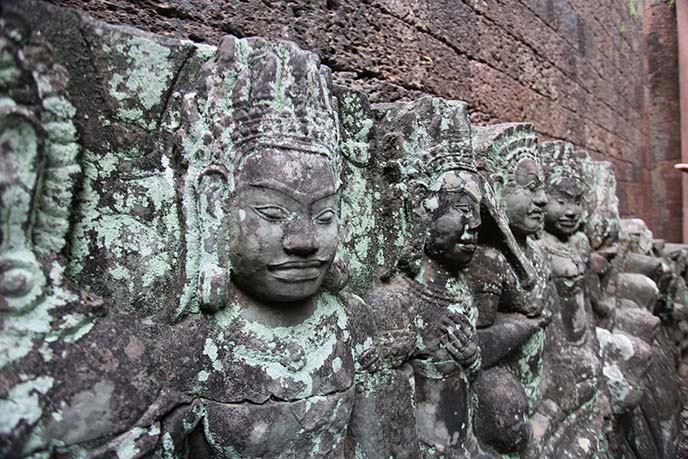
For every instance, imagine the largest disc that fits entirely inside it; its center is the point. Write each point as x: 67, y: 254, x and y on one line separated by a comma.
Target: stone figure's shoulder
x: 362, y: 329
x: 356, y: 308
x: 490, y: 257
x: 489, y: 266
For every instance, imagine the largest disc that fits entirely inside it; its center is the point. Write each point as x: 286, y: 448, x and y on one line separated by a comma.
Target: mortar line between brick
x: 553, y: 63
x: 566, y: 75
x: 520, y: 40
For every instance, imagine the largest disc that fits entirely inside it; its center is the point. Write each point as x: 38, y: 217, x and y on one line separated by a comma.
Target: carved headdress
x: 498, y: 149
x: 421, y: 141
x: 561, y: 162
x: 261, y: 95
x: 427, y: 138
x: 253, y: 95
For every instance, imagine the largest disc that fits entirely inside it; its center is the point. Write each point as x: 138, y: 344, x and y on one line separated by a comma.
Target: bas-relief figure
x: 253, y: 349
x: 572, y: 357
x: 513, y: 310
x: 279, y: 352
x: 424, y: 311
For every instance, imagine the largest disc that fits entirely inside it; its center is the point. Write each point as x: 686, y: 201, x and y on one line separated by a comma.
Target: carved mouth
x: 566, y: 223
x: 468, y: 245
x: 297, y: 271
x: 536, y: 214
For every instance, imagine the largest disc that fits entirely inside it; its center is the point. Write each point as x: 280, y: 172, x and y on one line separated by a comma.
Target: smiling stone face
x: 525, y: 198
x: 284, y: 231
x: 564, y: 208
x: 455, y: 212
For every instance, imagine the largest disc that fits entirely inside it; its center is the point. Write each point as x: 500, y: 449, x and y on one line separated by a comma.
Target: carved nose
x: 300, y: 239
x: 540, y: 198
x: 571, y: 213
x: 474, y: 221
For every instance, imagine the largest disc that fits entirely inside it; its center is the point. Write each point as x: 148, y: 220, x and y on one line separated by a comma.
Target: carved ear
x: 213, y: 225
x: 497, y: 183
x: 417, y: 194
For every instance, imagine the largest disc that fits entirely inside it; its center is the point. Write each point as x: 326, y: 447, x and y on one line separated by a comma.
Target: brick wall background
x: 602, y: 74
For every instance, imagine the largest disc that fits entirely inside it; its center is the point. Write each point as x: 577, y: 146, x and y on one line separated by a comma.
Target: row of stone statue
x: 223, y: 255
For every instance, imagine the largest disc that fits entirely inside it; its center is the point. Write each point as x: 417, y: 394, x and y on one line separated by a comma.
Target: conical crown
x: 264, y: 95
x: 430, y: 136
x: 499, y: 147
x: 560, y: 161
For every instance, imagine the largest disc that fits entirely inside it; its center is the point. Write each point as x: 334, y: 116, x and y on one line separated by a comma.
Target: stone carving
x: 264, y: 187
x: 512, y: 313
x: 424, y: 312
x: 179, y: 223
x: 572, y: 357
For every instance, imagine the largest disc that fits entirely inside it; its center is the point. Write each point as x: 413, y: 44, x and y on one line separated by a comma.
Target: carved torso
x: 496, y: 287
x: 277, y: 391
x: 568, y: 273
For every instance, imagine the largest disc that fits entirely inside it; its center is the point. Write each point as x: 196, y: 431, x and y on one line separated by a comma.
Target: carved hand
x: 396, y: 346
x: 368, y: 359
x: 459, y: 339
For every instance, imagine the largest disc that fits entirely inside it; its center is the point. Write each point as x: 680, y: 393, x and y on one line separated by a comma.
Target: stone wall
x: 602, y: 75
x: 179, y: 222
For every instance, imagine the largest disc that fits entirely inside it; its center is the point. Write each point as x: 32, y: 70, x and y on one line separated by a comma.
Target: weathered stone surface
x: 603, y: 77
x: 213, y: 252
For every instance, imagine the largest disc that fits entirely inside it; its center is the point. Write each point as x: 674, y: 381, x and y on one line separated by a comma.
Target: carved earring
x: 213, y: 268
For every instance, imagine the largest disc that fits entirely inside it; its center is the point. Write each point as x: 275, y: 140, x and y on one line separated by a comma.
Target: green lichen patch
x: 128, y: 230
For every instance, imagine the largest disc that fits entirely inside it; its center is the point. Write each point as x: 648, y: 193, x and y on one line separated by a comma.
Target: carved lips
x: 468, y: 245
x: 298, y: 270
x: 537, y: 214
x: 568, y: 223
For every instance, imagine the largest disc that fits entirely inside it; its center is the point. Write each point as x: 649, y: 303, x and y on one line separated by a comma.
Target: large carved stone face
x: 564, y: 208
x: 455, y: 212
x: 525, y: 198
x: 283, y: 230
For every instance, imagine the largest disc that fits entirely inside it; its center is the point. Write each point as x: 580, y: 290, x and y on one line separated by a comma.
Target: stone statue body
x: 280, y: 365
x: 424, y: 312
x: 572, y: 356
x: 511, y: 316
x: 279, y: 352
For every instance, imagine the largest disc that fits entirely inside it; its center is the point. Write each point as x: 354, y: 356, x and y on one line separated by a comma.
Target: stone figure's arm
x: 598, y: 266
x: 364, y: 334
x: 395, y: 329
x: 507, y: 333
x: 518, y: 300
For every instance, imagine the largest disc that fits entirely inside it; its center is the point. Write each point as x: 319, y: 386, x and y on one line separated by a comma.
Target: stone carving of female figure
x: 511, y: 313
x: 572, y: 352
x: 424, y: 313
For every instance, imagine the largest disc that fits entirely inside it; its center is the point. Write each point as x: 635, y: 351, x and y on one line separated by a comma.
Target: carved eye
x: 273, y: 213
x: 562, y: 202
x: 465, y: 210
x: 325, y: 217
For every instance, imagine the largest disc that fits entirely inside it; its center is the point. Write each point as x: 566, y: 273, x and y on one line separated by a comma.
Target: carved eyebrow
x: 275, y: 186
x: 323, y: 197
x: 296, y: 196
